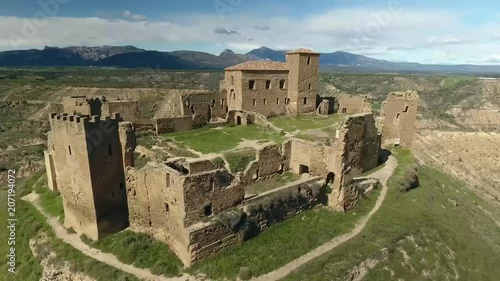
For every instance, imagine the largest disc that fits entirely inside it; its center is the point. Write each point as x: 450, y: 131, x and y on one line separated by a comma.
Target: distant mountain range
x: 132, y: 57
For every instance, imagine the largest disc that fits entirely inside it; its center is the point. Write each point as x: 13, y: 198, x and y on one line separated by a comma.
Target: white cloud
x: 135, y: 17
x: 410, y: 35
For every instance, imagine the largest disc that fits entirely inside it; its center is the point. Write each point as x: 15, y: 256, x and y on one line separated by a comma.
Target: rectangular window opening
x: 268, y: 84
x: 282, y: 84
x: 251, y: 84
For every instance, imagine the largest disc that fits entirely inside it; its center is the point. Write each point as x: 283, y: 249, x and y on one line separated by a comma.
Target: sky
x: 425, y: 31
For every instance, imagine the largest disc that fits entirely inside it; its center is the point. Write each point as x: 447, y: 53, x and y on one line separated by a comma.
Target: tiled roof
x: 260, y: 65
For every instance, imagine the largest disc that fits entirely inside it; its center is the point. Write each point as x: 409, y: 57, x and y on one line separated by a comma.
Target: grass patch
x: 272, y: 183
x: 146, y: 140
x: 306, y: 122
x: 140, y: 160
x: 442, y: 241
x: 141, y: 251
x: 239, y: 160
x: 50, y: 201
x: 283, y: 242
x: 209, y: 140
x: 32, y: 224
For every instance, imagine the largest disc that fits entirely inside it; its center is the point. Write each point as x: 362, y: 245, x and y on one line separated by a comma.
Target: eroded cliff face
x: 473, y: 157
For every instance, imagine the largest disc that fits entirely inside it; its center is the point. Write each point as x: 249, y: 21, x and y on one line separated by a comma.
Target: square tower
x: 88, y: 160
x: 303, y: 68
x: 398, y: 118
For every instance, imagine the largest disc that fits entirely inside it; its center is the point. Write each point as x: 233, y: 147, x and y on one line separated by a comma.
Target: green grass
x: 239, y: 160
x: 146, y: 140
x: 272, y: 183
x: 208, y: 140
x: 141, y: 251
x: 32, y: 224
x: 306, y: 122
x: 50, y: 201
x: 140, y: 160
x: 283, y: 242
x: 441, y: 239
x: 129, y: 247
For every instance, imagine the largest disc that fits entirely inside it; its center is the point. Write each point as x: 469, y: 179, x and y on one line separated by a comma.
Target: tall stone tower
x: 89, y: 156
x: 398, y: 118
x: 303, y: 68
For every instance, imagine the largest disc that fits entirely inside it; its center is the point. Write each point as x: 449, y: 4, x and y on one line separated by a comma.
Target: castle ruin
x: 183, y: 201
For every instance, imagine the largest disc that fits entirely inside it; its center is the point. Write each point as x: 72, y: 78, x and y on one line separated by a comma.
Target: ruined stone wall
x: 169, y: 201
x: 237, y: 118
x: 128, y: 143
x: 285, y: 203
x: 308, y: 154
x: 198, y: 104
x: 266, y: 101
x: 89, y: 173
x: 210, y: 193
x: 358, y: 144
x: 323, y: 108
x: 302, y: 82
x: 352, y: 153
x: 173, y: 124
x: 271, y: 160
x: 156, y: 205
x: 350, y: 104
x: 398, y: 118
x: 81, y: 105
x: 128, y: 109
x: 209, y: 239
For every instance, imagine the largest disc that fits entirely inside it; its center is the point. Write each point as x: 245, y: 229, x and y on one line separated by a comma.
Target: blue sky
x: 424, y: 31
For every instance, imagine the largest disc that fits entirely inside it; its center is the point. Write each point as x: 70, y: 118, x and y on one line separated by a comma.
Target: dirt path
x: 75, y: 241
x: 383, y: 175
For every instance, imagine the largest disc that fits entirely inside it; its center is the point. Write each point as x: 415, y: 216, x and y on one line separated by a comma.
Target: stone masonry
x: 88, y: 169
x: 398, y: 116
x: 274, y: 88
x: 90, y: 158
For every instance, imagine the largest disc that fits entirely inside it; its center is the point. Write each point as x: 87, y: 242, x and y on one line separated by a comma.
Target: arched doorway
x: 330, y: 177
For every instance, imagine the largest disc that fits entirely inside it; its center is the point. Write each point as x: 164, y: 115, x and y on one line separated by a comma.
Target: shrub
x: 245, y: 273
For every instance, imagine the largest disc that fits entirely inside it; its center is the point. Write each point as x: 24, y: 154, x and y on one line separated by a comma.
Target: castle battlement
x: 68, y: 124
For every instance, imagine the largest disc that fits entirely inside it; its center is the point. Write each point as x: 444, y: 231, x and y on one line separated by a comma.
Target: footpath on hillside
x: 383, y: 175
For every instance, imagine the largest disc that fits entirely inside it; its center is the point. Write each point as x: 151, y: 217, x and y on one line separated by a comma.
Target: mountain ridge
x: 131, y: 56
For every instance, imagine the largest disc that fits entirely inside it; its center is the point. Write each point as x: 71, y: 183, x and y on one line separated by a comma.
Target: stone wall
x: 302, y: 82
x: 353, y: 152
x: 169, y: 200
x: 210, y: 238
x: 155, y: 200
x: 128, y: 109
x: 173, y: 124
x: 268, y: 102
x: 81, y: 105
x: 398, y: 116
x: 284, y: 203
x: 270, y: 160
x: 350, y: 104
